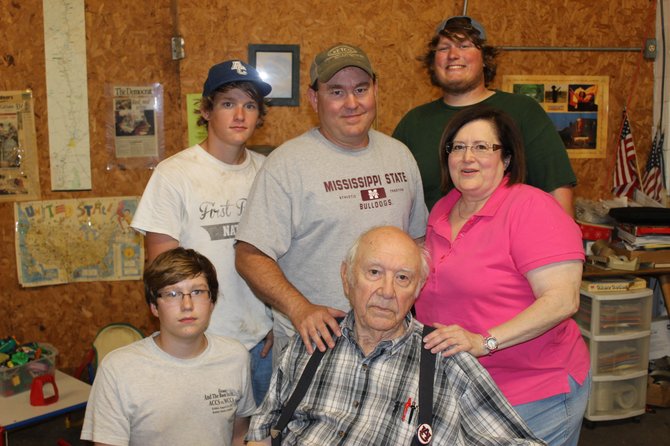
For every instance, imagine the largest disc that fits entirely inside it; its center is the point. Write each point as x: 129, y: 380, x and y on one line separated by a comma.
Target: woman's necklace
x: 460, y: 214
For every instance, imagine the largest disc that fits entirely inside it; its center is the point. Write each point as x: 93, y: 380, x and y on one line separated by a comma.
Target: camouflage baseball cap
x: 329, y: 62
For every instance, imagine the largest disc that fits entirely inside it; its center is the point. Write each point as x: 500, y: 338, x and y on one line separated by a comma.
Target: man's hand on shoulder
x: 315, y: 324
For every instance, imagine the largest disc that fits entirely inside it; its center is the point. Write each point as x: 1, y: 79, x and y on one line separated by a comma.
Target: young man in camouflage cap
x: 316, y: 193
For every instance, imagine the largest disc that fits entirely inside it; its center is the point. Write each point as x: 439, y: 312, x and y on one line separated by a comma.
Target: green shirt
x: 547, y: 163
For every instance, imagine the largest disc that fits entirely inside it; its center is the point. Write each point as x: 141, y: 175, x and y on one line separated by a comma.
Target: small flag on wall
x: 652, y: 180
x: 625, y: 171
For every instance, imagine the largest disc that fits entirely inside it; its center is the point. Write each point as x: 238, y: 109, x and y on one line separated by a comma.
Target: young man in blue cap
x: 462, y: 64
x: 196, y: 198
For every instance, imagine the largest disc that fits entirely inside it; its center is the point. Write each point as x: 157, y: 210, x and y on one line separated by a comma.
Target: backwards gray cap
x: 463, y: 22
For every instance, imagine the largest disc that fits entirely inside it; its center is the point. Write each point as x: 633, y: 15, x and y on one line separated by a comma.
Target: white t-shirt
x: 198, y: 200
x: 143, y: 396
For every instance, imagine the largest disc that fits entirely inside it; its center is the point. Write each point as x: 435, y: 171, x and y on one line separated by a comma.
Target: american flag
x: 652, y: 180
x: 625, y: 172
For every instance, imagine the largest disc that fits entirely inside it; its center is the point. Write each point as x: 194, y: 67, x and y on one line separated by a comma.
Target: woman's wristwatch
x: 490, y: 343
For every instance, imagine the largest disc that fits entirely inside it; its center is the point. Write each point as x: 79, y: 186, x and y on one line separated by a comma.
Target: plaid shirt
x: 358, y: 400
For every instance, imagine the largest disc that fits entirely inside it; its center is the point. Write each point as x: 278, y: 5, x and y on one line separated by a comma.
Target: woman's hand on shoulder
x: 451, y: 339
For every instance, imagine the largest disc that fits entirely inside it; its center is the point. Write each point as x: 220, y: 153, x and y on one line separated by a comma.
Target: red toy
x: 37, y: 390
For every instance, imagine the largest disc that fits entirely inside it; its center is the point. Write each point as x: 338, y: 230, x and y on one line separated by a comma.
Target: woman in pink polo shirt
x: 506, y: 265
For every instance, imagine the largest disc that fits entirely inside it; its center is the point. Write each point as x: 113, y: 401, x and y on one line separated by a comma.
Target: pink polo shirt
x: 477, y: 281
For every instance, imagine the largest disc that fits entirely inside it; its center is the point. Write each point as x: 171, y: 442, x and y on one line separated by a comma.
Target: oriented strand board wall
x: 126, y: 43
x: 394, y: 32
x: 129, y: 42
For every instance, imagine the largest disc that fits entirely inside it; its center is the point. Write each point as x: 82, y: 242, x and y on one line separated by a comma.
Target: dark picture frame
x: 279, y: 66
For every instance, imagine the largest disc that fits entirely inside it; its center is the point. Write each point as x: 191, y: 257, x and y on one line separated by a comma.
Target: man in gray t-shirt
x: 316, y: 193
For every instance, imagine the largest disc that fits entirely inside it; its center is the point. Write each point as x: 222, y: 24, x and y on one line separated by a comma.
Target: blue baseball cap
x: 234, y: 71
x: 463, y: 22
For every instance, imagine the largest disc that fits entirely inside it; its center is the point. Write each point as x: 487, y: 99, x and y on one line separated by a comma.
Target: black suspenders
x: 424, y: 432
x: 296, y: 397
x: 426, y: 377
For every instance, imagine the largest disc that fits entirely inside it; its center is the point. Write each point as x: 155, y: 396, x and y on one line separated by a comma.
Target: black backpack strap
x: 297, y: 396
x: 424, y: 432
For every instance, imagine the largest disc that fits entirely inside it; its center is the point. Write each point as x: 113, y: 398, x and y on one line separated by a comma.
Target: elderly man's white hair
x: 353, y: 252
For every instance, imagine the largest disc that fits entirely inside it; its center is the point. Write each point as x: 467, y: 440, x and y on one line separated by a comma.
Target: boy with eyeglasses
x: 179, y: 385
x: 196, y: 198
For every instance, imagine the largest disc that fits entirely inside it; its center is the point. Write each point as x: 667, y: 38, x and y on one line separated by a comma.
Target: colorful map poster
x: 77, y: 240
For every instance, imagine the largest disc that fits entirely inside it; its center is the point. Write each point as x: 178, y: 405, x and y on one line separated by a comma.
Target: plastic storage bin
x: 617, y: 398
x: 620, y: 355
x: 614, y: 313
x: 19, y: 379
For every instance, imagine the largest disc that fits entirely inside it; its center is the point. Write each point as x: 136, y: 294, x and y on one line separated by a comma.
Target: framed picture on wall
x: 279, y: 66
x: 577, y: 105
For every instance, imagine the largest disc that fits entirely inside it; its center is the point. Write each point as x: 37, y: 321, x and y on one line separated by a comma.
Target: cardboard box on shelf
x: 619, y: 283
x: 653, y: 256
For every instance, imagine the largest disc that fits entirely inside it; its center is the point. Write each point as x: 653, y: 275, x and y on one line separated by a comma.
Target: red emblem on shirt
x: 373, y: 194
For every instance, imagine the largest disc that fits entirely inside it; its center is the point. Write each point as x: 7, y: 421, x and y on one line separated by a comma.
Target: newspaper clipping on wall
x: 135, y: 133
x: 135, y: 123
x: 19, y: 178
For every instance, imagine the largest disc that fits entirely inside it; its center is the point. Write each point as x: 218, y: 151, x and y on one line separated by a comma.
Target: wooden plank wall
x: 129, y: 42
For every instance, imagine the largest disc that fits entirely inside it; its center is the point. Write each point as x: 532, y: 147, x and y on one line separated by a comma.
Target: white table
x: 16, y: 411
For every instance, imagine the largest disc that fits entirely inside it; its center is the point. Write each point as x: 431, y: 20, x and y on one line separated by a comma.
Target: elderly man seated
x: 366, y: 389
